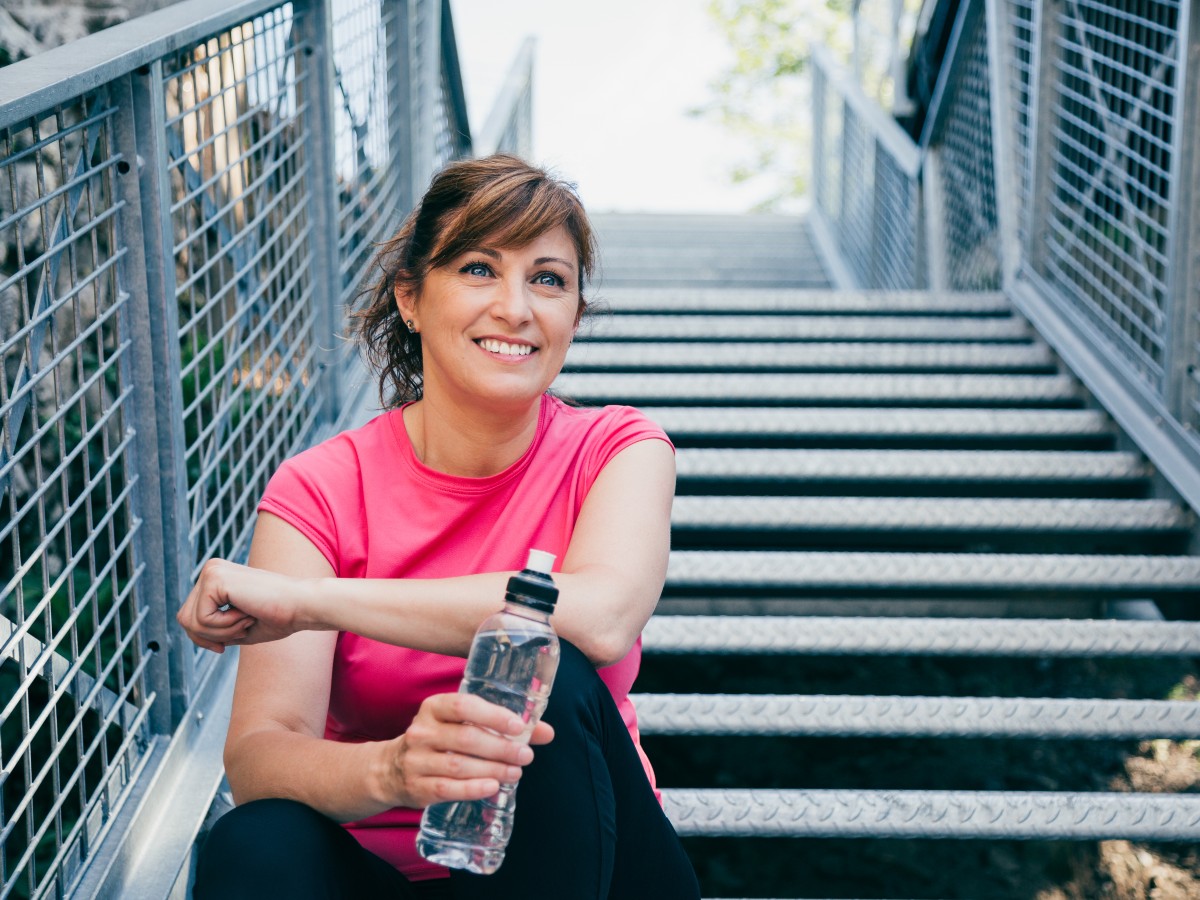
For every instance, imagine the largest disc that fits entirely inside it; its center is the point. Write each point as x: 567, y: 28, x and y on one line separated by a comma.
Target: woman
x: 377, y: 554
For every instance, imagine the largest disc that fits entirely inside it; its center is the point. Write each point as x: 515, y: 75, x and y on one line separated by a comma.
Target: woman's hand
x: 458, y: 747
x: 233, y: 604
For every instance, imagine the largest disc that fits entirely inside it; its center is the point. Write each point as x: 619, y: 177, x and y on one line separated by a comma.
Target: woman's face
x: 495, y: 323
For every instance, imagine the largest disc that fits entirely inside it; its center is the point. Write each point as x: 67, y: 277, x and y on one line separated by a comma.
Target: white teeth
x: 505, y: 348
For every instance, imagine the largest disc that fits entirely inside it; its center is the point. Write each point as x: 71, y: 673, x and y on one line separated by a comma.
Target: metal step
x: 803, y: 302
x: 684, y: 327
x: 733, y: 357
x: 875, y: 389
x: 887, y: 636
x: 871, y: 716
x: 911, y: 466
x: 894, y: 514
x: 1040, y: 815
x: 689, y: 424
x: 962, y: 574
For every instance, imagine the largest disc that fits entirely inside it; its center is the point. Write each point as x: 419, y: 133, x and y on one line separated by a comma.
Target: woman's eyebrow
x: 555, y: 259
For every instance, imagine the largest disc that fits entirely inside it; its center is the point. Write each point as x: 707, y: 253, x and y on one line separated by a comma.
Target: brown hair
x: 499, y: 201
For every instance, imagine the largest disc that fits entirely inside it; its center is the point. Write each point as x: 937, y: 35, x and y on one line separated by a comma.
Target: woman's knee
x: 266, y: 842
x: 577, y: 686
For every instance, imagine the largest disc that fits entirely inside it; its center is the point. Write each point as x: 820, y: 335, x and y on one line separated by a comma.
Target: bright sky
x: 613, y: 81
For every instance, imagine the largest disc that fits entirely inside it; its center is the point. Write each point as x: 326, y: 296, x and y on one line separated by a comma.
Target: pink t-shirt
x: 375, y: 511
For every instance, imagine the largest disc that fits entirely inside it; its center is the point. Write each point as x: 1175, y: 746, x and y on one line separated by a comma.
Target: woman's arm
x: 609, y: 583
x: 275, y: 746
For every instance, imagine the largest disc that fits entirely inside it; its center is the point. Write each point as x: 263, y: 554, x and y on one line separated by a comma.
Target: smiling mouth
x: 504, y: 348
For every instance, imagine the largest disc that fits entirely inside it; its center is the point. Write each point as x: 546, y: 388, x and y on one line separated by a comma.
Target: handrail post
x: 142, y: 372
x: 1002, y: 143
x: 313, y: 26
x: 155, y: 195
x: 1046, y: 27
x: 1181, y: 387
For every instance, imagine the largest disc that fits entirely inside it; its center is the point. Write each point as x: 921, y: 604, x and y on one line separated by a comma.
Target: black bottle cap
x: 533, y: 585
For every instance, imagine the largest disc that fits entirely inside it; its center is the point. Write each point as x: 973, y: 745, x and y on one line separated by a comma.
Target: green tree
x: 765, y: 94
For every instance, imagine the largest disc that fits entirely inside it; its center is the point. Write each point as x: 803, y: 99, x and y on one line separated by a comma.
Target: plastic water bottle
x: 512, y: 663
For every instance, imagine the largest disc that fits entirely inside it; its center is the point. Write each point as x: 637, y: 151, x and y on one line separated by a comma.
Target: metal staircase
x: 873, y: 474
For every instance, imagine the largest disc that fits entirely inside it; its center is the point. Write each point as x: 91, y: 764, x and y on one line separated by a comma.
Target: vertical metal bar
x: 400, y: 99
x: 1003, y: 137
x: 313, y: 25
x: 1183, y: 331
x: 141, y: 372
x: 934, y: 210
x: 163, y: 327
x: 1046, y: 26
x: 429, y: 63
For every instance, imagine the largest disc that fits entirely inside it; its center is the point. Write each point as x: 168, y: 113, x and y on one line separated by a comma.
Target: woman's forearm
x: 597, y: 610
x: 337, y: 779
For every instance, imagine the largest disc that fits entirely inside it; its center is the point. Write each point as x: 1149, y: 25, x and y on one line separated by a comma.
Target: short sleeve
x: 619, y: 427
x: 316, y: 490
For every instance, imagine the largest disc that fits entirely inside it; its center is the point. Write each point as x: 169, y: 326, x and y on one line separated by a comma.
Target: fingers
x: 460, y: 747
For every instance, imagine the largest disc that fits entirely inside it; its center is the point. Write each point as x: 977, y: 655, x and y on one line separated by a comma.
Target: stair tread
x: 915, y: 716
x: 923, y: 465
x: 888, y: 635
x: 967, y: 572
x: 943, y: 513
x: 950, y: 814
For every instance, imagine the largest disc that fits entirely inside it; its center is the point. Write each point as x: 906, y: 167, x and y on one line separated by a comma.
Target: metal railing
x: 1058, y: 161
x: 187, y: 204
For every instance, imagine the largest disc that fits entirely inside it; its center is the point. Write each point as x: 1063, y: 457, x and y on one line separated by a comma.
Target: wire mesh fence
x: 1087, y: 111
x: 73, y: 692
x: 168, y: 334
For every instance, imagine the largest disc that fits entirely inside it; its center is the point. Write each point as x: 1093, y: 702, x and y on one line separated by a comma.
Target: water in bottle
x: 512, y: 663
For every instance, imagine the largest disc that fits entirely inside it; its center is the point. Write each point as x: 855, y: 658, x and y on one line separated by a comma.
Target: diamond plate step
x: 803, y: 514
x: 967, y: 574
x: 886, y: 636
x: 716, y: 424
x: 801, y: 389
x: 1042, y: 815
x: 803, y: 302
x: 602, y: 356
x: 683, y: 327
x: 869, y: 716
x: 911, y: 466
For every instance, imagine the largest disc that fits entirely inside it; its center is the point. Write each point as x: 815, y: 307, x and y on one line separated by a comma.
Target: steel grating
x: 712, y: 389
x: 900, y: 514
x: 1012, y: 815
x: 872, y: 716
x: 969, y: 573
x: 859, y: 635
x: 963, y: 423
x: 683, y: 327
x: 911, y: 465
x: 734, y: 356
x: 623, y: 301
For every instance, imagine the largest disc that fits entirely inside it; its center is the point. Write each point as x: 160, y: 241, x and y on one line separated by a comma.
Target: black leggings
x: 587, y: 826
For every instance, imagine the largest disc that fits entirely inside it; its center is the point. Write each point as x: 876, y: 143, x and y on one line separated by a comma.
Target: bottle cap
x: 533, y: 586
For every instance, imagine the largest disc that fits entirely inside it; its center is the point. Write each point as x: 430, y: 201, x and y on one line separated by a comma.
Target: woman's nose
x: 511, y: 302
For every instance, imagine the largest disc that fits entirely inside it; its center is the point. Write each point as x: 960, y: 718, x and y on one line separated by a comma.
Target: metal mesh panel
x: 73, y: 695
x: 240, y: 223
x: 827, y: 135
x: 897, y: 226
x: 370, y: 156
x: 858, y: 176
x: 964, y: 142
x: 1111, y: 127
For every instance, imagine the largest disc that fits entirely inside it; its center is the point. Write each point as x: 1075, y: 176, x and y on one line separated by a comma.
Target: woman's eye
x: 550, y: 279
x: 480, y: 269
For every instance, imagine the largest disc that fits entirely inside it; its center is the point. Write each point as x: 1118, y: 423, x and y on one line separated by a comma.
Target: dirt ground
x: 1060, y: 870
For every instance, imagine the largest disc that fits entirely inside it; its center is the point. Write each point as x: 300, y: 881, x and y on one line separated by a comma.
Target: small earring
x: 411, y: 328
